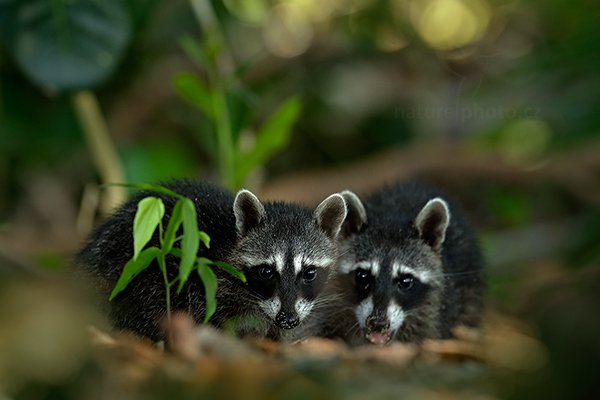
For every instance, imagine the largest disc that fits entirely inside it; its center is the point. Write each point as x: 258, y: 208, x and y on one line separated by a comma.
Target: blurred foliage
x: 516, y: 83
x: 373, y: 74
x: 63, y: 45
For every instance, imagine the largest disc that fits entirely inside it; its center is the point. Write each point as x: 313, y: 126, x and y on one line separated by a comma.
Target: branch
x: 101, y: 147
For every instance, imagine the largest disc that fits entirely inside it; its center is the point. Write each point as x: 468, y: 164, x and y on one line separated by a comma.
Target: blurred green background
x: 496, y: 101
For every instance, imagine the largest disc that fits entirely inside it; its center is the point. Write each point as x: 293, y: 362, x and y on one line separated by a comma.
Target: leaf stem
x: 224, y: 135
x: 163, y: 268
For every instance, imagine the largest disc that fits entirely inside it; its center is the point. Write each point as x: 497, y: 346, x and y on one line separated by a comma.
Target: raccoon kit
x: 409, y: 268
x: 286, y: 252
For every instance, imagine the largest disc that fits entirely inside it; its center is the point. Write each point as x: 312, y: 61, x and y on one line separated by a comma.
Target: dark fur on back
x: 454, y: 295
x: 141, y: 307
x: 288, y: 228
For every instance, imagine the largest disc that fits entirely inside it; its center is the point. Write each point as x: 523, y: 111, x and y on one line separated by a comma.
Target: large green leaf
x: 68, y: 44
x: 209, y: 280
x: 195, y: 92
x: 133, y: 268
x: 241, y: 103
x: 156, y: 161
x: 149, y: 214
x: 273, y: 135
x: 193, y: 50
x: 8, y: 9
x: 189, y: 241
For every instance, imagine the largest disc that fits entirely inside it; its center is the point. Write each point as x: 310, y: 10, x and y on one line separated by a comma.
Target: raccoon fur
x: 286, y: 252
x: 409, y: 269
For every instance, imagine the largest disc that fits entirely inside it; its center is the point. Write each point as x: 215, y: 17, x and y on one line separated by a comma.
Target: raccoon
x: 410, y: 268
x: 286, y: 252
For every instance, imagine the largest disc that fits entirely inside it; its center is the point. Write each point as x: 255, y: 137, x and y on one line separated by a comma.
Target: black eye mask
x: 262, y: 280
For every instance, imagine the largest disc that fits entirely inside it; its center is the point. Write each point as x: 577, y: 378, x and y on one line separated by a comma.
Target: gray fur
x: 422, y: 267
x: 245, y: 233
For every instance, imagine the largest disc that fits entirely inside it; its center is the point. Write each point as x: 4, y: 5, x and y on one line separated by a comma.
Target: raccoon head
x: 286, y: 253
x: 392, y: 276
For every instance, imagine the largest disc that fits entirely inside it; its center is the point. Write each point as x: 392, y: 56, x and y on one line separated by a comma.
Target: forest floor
x: 55, y: 345
x: 205, y: 361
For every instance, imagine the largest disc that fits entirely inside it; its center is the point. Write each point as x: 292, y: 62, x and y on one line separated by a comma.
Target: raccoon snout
x: 378, y: 330
x: 287, y: 320
x: 377, y: 324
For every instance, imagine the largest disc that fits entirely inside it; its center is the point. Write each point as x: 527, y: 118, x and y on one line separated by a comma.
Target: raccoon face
x: 389, y: 277
x: 286, y: 253
x: 385, y: 292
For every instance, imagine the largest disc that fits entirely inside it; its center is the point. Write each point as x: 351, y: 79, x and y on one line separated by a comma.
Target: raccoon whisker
x: 324, y: 300
x: 354, y: 329
x: 317, y: 306
x: 342, y: 253
x: 256, y: 299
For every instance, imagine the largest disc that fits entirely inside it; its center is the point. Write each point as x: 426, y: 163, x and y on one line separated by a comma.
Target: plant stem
x: 101, y: 147
x: 163, y: 268
x: 224, y: 135
x: 223, y: 67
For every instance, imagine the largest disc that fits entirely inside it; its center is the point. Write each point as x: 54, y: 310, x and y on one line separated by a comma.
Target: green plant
x: 227, y: 105
x: 150, y: 216
x: 74, y: 47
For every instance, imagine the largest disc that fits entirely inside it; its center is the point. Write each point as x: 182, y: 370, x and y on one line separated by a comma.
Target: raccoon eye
x: 309, y: 274
x: 362, y: 278
x: 266, y: 272
x: 406, y: 282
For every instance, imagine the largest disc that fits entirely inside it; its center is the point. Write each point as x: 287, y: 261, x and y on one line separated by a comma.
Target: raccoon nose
x: 287, y: 320
x: 377, y: 324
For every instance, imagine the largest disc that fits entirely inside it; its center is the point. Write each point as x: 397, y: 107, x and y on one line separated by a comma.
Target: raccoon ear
x: 432, y: 222
x: 330, y: 214
x: 356, y: 218
x: 248, y: 210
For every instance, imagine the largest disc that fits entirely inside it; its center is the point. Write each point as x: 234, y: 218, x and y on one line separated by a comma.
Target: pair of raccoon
x: 403, y: 266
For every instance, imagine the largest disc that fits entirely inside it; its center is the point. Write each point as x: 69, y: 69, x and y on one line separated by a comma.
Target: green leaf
x: 174, y: 223
x: 156, y: 161
x: 69, y: 44
x: 193, y: 50
x: 230, y: 269
x: 204, y: 238
x: 209, y: 280
x: 133, y: 268
x: 194, y: 91
x: 189, y: 241
x: 148, y: 187
x: 149, y: 214
x: 241, y: 103
x: 273, y: 136
x: 176, y: 252
x: 203, y: 260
